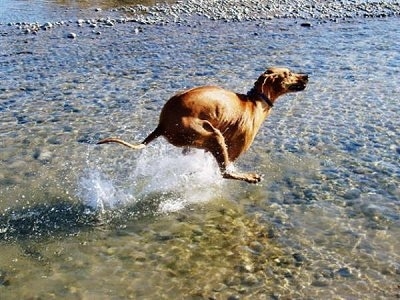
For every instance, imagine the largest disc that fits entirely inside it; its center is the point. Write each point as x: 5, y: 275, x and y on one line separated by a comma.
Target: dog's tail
x: 155, y: 134
x: 119, y: 141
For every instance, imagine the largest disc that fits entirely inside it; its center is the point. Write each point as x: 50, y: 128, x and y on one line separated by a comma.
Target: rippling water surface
x: 83, y: 221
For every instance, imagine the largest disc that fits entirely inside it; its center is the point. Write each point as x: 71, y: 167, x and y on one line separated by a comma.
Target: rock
x: 219, y: 287
x: 109, y: 23
x: 321, y: 282
x: 249, y: 279
x: 256, y: 247
x: 299, y: 259
x: 352, y: 194
x: 46, y: 26
x: 306, y: 24
x: 4, y: 281
x: 54, y: 140
x: 344, y: 272
x: 164, y: 236
x: 71, y: 35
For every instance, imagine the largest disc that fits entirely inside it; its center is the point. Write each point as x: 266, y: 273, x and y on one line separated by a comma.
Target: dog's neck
x: 254, y: 93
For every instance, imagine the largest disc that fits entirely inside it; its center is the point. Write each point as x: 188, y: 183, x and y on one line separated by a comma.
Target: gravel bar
x: 186, y: 12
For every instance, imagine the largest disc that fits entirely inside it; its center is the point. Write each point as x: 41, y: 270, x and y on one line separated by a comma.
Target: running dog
x: 219, y: 121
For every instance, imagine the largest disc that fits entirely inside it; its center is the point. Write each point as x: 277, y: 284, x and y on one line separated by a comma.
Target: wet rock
x: 306, y: 24
x: 344, y: 272
x: 352, y: 194
x: 256, y: 247
x: 68, y: 128
x: 47, y: 26
x: 249, y: 279
x: 164, y: 236
x: 71, y: 35
x: 299, y: 259
x: 4, y: 281
x: 70, y: 108
x: 109, y: 23
x: 321, y: 282
x: 219, y: 287
x: 245, y: 268
x: 54, y: 140
x: 44, y: 156
x: 232, y: 281
x: 22, y: 119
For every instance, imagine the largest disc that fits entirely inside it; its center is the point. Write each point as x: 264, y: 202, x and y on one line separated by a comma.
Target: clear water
x: 84, y: 221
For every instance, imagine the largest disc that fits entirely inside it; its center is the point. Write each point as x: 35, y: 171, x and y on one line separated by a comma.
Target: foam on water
x: 160, y: 173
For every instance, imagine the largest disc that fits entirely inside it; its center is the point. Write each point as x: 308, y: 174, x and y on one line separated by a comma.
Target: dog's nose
x: 305, y: 77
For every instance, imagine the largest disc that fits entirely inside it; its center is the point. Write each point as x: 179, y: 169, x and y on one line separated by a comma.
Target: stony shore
x: 185, y: 12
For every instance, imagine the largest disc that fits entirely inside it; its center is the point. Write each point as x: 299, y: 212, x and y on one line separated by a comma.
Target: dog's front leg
x: 248, y: 177
x: 214, y: 141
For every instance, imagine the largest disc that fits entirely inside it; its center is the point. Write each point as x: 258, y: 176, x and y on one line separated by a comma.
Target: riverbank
x: 188, y: 12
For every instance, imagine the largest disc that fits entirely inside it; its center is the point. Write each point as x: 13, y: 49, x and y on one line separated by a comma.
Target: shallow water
x: 87, y: 222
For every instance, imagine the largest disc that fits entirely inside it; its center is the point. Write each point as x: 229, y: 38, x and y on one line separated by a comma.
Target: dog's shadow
x: 45, y: 220
x: 57, y: 219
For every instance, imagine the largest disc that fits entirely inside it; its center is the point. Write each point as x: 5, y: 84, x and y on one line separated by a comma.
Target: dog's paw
x: 253, y: 178
x: 248, y: 177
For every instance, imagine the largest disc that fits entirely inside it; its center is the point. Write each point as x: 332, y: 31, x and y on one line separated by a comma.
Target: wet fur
x: 220, y: 121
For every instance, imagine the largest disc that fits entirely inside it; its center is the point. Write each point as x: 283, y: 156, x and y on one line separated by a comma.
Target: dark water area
x: 81, y: 221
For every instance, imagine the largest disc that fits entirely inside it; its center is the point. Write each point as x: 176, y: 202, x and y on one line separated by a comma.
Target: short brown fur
x: 220, y: 121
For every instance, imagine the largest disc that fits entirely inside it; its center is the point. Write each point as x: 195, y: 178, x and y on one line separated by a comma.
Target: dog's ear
x: 269, y: 71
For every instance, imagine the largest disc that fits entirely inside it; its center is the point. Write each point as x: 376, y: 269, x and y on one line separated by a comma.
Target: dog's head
x: 275, y: 82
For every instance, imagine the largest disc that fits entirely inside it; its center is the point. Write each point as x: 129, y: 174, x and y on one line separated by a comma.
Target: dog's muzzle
x: 300, y: 85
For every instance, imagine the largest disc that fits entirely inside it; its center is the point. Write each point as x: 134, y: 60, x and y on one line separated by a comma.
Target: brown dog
x: 220, y: 121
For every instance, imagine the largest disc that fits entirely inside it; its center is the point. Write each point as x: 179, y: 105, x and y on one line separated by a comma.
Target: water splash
x: 159, y: 174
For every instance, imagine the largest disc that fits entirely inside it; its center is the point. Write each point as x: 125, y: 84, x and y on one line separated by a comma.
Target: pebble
x: 44, y: 156
x: 256, y: 246
x: 299, y: 258
x: 249, y: 10
x: 321, y: 282
x: 71, y: 35
x: 249, y: 279
x: 344, y: 272
x: 46, y: 26
x: 164, y: 236
x: 4, y: 281
x: 352, y: 194
x: 219, y: 287
x: 306, y: 24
